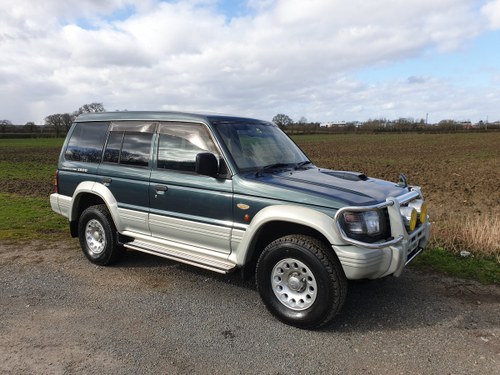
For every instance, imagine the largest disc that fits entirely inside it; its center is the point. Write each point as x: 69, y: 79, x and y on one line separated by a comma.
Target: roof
x: 155, y: 115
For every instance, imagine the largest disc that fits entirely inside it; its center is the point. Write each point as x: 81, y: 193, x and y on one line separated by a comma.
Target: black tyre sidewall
x: 99, y: 214
x: 325, y: 300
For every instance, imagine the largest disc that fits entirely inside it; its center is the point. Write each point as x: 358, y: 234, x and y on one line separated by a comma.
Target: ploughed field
x: 459, y: 175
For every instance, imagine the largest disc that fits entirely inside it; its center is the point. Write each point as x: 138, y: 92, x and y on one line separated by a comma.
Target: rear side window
x: 135, y: 149
x: 129, y: 144
x: 86, y: 142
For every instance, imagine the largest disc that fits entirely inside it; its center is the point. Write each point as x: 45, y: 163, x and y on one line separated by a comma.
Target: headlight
x: 368, y: 226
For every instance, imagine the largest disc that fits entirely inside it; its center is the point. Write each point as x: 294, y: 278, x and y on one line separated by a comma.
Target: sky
x: 322, y: 60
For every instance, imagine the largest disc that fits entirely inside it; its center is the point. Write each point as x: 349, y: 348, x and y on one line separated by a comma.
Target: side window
x: 180, y: 143
x: 135, y: 149
x: 113, y: 147
x: 129, y: 144
x: 86, y: 142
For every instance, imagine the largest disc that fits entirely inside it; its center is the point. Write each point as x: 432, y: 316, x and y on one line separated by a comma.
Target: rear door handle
x: 161, y: 189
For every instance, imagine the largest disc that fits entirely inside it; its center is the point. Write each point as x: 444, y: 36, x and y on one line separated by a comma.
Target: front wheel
x: 301, y: 281
x: 97, y: 235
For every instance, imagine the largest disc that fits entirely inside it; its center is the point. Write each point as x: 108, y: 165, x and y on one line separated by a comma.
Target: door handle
x: 160, y: 190
x: 106, y: 181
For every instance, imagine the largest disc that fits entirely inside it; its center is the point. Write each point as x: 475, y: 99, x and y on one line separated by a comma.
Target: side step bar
x: 199, y: 260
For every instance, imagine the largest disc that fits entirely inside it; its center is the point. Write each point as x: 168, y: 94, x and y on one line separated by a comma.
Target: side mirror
x: 206, y: 164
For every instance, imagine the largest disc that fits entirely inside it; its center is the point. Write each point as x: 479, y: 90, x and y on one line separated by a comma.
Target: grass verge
x: 27, y: 218
x: 482, y: 269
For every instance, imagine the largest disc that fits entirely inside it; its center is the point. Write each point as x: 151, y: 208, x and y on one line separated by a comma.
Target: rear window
x: 86, y: 142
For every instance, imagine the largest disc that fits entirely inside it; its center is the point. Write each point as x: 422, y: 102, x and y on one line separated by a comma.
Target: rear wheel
x: 301, y: 281
x: 97, y: 235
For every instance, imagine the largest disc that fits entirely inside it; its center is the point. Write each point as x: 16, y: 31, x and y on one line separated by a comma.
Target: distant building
x: 332, y: 124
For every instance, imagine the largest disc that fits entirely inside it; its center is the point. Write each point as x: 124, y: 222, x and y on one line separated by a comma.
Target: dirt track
x: 61, y: 314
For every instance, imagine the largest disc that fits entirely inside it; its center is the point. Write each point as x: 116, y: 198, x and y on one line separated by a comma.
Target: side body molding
x: 307, y: 217
x: 103, y: 192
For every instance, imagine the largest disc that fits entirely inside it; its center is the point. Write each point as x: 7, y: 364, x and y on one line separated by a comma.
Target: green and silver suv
x: 228, y: 193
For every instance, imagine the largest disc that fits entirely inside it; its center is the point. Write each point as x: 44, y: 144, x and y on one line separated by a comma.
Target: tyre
x: 97, y: 234
x: 301, y: 281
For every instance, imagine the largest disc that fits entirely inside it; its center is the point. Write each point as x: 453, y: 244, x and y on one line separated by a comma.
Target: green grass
x: 484, y: 270
x: 30, y: 143
x: 26, y: 218
x: 26, y: 171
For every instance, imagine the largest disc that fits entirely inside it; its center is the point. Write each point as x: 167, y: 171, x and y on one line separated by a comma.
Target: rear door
x: 125, y: 170
x: 186, y: 207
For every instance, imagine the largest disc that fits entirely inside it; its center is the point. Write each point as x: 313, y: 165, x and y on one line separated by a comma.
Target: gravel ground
x: 61, y: 314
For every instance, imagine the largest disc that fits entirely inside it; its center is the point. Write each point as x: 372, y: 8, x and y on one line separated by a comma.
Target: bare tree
x: 67, y: 120
x: 4, y: 124
x: 30, y: 127
x: 90, y: 108
x: 56, y: 121
x: 282, y: 120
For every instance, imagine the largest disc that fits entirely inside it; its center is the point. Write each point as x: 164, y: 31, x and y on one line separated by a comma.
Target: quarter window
x: 86, y: 142
x: 112, y: 152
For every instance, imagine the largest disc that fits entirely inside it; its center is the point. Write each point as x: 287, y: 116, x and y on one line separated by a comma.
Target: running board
x: 199, y: 260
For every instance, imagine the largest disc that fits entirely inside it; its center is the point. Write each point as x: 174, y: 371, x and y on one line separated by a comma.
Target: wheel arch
x: 89, y: 194
x: 277, y: 221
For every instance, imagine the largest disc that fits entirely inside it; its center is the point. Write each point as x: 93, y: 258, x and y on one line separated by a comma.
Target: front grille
x: 415, y: 237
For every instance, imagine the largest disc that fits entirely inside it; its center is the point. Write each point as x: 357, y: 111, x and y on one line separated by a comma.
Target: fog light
x: 409, y: 217
x: 421, y: 208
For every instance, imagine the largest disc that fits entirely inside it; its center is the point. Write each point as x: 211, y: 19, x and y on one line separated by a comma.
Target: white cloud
x: 284, y: 56
x: 491, y: 11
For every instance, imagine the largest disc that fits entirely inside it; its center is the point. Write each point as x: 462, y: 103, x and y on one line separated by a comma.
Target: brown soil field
x: 28, y: 167
x: 459, y: 173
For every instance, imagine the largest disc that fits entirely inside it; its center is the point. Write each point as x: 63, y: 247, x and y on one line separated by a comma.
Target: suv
x: 229, y: 193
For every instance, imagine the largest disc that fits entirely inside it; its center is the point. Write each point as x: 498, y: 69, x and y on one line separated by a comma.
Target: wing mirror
x: 206, y: 164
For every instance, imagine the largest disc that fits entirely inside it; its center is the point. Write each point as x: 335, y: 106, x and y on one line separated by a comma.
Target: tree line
x: 382, y: 125
x: 56, y: 124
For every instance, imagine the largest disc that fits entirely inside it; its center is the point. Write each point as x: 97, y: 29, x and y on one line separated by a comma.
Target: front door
x: 186, y: 207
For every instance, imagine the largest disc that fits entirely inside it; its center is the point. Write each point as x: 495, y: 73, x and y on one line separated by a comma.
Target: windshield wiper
x: 268, y: 167
x: 302, y: 163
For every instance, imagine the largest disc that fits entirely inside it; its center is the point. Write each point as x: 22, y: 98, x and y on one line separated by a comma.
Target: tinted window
x: 135, y: 149
x: 180, y: 143
x: 113, y: 147
x: 86, y: 142
x: 130, y: 148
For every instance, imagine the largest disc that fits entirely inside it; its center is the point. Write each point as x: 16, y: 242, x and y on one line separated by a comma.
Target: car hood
x: 322, y: 187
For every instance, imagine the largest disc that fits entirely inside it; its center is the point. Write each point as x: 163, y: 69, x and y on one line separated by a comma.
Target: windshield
x: 255, y: 145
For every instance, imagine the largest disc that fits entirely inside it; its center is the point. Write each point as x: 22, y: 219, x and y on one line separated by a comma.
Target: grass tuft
x: 484, y: 270
x: 479, y: 235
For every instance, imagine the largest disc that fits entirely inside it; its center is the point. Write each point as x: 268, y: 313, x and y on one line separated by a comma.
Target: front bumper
x: 374, y: 260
